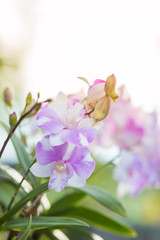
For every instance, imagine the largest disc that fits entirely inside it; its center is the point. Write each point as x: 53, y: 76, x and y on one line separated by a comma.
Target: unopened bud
x: 110, y: 86
x: 29, y: 98
x: 38, y: 95
x: 102, y: 108
x: 8, y: 96
x: 95, y: 93
x: 13, y: 119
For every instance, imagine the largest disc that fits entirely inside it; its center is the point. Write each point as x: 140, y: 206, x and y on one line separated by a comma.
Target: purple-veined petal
x: 48, y: 120
x: 81, y: 161
x: 80, y: 137
x: 41, y: 170
x: 60, y: 175
x: 76, y: 181
x: 45, y: 153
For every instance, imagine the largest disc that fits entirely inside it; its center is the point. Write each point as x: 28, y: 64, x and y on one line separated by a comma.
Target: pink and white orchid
x: 64, y: 164
x: 66, y: 122
x: 62, y: 155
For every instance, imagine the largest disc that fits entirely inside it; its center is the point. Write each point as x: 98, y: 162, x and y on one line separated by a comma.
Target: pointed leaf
x: 15, y: 176
x: 100, y: 220
x: 103, y: 197
x: 22, y: 155
x: 29, y: 196
x: 43, y: 222
x: 66, y: 202
x: 26, y: 233
x: 5, y: 196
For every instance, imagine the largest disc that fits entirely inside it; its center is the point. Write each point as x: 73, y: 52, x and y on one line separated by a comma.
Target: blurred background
x: 45, y: 45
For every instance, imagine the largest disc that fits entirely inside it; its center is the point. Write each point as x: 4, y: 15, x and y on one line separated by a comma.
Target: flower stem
x: 19, y: 185
x: 23, y: 116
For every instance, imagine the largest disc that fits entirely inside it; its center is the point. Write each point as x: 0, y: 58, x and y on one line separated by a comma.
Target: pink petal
x: 48, y: 120
x: 45, y: 153
x: 82, y: 162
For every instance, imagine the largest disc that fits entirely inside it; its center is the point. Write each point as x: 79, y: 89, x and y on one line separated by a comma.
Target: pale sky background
x: 90, y: 38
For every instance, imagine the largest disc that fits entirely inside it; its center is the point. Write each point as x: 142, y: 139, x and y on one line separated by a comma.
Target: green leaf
x: 22, y: 155
x: 15, y: 176
x: 5, y: 196
x: 78, y: 233
x: 26, y: 233
x: 65, y: 202
x: 34, y: 193
x: 103, y: 197
x: 43, y: 222
x: 105, y: 222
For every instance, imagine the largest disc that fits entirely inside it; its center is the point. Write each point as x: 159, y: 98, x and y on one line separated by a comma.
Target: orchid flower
x: 66, y: 123
x: 127, y: 125
x: 139, y: 168
x: 64, y: 164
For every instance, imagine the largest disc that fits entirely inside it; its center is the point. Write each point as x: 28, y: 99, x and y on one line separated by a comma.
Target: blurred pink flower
x: 140, y: 167
x: 126, y: 125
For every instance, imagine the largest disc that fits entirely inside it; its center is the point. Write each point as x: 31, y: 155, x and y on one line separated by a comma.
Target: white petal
x: 76, y: 181
x: 46, y: 144
x: 60, y: 106
x: 42, y: 120
x: 62, y: 99
x: 56, y: 140
x: 74, y: 114
x: 41, y: 170
x: 98, y: 125
x: 83, y: 140
x: 88, y: 122
x: 69, y: 151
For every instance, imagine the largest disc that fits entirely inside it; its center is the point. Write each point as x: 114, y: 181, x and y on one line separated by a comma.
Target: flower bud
x: 110, y: 86
x: 13, y: 119
x: 29, y: 98
x: 8, y: 96
x: 102, y: 108
x: 95, y: 93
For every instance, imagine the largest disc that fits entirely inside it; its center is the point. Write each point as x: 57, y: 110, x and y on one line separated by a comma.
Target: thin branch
x: 23, y: 116
x: 19, y: 185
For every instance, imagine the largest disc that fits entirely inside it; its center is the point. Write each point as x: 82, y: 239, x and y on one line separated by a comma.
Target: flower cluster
x: 136, y: 133
x: 70, y: 126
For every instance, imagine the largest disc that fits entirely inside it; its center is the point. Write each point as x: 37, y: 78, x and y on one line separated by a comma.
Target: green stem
x: 12, y: 130
x: 19, y: 185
